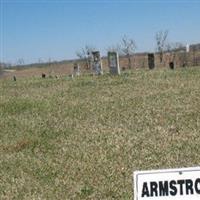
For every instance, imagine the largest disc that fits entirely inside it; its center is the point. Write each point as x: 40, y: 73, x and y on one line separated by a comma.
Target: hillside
x: 82, y: 138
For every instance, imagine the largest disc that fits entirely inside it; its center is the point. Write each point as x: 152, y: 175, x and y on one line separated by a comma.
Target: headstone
x: 113, y: 62
x: 96, y: 63
x: 187, y: 48
x: 14, y: 78
x: 76, y: 71
x: 171, y: 65
x: 151, y: 61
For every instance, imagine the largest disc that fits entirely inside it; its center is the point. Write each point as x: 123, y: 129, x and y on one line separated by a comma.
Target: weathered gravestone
x: 151, y: 60
x: 113, y: 62
x: 96, y: 63
x: 171, y: 65
x: 76, y: 71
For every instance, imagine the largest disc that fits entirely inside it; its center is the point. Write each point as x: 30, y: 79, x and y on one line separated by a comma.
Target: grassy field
x: 82, y: 138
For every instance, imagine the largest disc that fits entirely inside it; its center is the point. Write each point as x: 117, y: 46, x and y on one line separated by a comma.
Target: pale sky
x: 34, y: 29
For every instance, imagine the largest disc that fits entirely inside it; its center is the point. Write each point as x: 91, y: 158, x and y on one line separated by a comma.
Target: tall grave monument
x: 151, y: 61
x: 96, y: 63
x: 113, y: 62
x: 76, y: 71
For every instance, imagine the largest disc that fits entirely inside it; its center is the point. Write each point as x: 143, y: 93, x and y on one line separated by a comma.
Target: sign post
x: 169, y: 184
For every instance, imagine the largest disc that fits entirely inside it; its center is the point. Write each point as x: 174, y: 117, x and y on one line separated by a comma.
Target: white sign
x: 170, y: 184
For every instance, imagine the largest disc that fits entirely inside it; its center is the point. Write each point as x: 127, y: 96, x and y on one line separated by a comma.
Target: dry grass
x: 51, y: 70
x: 83, y: 138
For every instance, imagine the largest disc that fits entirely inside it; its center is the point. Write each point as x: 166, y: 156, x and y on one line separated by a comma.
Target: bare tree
x: 50, y: 65
x: 161, y: 42
x: 85, y: 54
x: 20, y: 61
x: 173, y: 49
x: 115, y: 48
x: 127, y: 47
x: 40, y: 60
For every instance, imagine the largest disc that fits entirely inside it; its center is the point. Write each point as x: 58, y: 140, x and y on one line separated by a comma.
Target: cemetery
x: 97, y: 64
x: 99, y: 100
x: 79, y: 130
x: 87, y: 128
x: 82, y: 138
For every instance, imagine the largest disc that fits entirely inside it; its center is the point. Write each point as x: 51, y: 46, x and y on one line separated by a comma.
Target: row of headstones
x: 113, y: 63
x: 96, y: 63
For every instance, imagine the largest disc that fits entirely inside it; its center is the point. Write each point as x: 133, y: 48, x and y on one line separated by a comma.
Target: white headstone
x: 76, y: 71
x: 187, y: 48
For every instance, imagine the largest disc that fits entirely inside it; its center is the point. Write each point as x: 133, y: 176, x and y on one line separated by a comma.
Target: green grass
x: 83, y: 138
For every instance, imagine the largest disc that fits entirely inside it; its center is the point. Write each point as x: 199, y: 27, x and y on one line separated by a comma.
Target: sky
x: 57, y: 29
